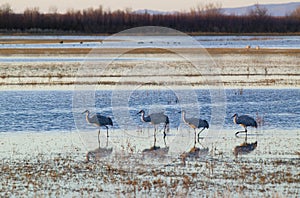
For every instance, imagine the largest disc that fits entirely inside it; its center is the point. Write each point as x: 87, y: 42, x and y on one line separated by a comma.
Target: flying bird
x: 156, y: 119
x: 99, y: 121
x: 195, y: 123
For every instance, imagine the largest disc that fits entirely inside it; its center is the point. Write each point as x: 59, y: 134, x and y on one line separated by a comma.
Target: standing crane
x: 156, y: 119
x: 195, y: 123
x: 99, y: 121
x: 244, y: 121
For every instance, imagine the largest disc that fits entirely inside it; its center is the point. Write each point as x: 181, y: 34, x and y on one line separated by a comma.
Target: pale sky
x: 161, y: 5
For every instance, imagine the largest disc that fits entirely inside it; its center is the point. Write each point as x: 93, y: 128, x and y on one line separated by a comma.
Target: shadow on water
x: 98, y: 153
x: 194, y: 153
x: 156, y: 151
x: 244, y: 148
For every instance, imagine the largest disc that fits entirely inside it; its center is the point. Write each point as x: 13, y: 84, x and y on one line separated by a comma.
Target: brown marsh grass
x: 212, y: 51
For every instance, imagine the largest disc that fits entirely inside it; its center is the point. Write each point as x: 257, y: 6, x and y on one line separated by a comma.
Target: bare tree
x: 53, y: 10
x: 202, y: 18
x: 296, y: 13
x: 210, y: 9
x: 32, y: 11
x: 259, y: 11
x: 213, y: 9
x: 6, y: 9
x: 31, y: 16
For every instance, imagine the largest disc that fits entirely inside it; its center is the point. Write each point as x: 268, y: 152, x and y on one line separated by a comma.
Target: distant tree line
x: 208, y: 18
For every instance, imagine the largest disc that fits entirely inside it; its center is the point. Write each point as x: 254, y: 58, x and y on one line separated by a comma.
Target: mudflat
x: 216, y: 67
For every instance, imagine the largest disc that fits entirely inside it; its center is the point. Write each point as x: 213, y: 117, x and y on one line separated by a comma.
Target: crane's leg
x: 106, y: 131
x: 236, y: 134
x: 165, y: 142
x: 99, y: 137
x: 239, y: 132
x: 242, y: 132
x: 165, y: 134
x: 199, y: 135
x: 106, y: 142
x: 245, y: 127
x: 195, y: 137
x: 154, y: 136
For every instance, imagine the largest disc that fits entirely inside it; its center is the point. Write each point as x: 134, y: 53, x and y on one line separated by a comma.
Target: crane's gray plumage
x: 195, y: 123
x: 155, y: 119
x: 244, y: 121
x: 99, y: 121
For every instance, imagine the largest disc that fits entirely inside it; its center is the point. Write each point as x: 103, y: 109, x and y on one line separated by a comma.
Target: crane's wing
x: 157, y: 118
x: 246, y: 120
x: 94, y: 119
x: 103, y: 120
x: 203, y: 123
x: 194, y: 122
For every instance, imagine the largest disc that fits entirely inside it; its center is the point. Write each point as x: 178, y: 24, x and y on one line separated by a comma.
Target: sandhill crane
x: 156, y: 119
x: 99, y: 121
x: 195, y: 123
x: 244, y: 121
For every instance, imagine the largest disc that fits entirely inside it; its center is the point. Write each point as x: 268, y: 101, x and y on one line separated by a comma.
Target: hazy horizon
x: 62, y: 6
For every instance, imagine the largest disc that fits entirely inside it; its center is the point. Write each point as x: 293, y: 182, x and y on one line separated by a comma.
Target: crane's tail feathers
x: 167, y: 120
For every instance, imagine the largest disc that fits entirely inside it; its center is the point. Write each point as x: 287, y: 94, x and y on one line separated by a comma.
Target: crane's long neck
x: 143, y: 116
x: 87, y: 114
x: 183, y: 117
x: 235, y: 118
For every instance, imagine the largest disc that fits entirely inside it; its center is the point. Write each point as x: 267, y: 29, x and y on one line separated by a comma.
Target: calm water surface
x: 39, y: 111
x: 279, y: 42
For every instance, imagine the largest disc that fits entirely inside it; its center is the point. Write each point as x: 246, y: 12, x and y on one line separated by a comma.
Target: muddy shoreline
x: 219, y: 67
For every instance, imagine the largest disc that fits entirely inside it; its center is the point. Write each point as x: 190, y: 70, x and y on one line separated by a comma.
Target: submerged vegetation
x: 207, y: 18
x: 132, y: 174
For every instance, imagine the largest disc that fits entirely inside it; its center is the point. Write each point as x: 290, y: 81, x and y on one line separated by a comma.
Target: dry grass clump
x: 43, y: 51
x: 212, y: 51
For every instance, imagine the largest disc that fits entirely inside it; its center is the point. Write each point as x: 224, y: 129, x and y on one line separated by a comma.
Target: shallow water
x: 279, y: 42
x: 22, y: 111
x: 43, y: 154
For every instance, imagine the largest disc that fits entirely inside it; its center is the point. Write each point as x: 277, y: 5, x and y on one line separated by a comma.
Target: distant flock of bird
x: 160, y: 118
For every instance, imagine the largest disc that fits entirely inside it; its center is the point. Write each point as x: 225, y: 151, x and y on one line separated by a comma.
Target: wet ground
x: 61, y: 164
x: 48, y: 149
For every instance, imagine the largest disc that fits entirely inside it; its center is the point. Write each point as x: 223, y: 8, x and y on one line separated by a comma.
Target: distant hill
x: 273, y: 9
